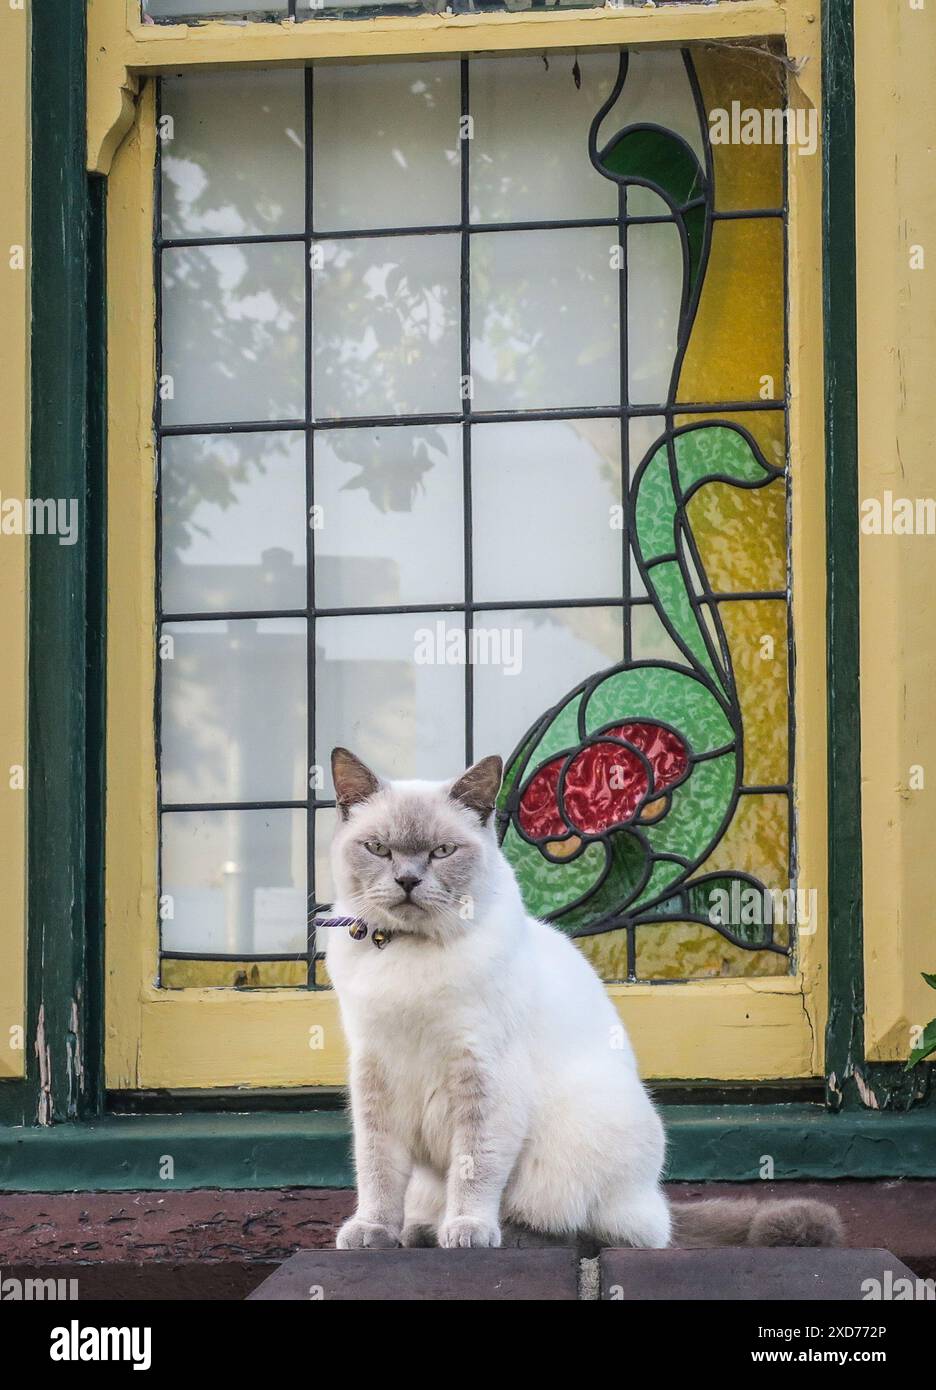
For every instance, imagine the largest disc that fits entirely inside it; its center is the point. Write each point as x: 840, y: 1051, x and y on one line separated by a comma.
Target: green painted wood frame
x: 56, y: 1128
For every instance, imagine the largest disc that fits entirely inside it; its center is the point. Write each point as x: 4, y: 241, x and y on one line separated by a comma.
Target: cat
x: 491, y: 1079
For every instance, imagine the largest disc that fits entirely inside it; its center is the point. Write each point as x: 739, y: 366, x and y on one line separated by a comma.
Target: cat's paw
x: 366, y: 1235
x: 469, y: 1233
x: 419, y: 1235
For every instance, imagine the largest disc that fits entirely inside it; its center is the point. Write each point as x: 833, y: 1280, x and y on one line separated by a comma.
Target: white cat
x: 491, y: 1078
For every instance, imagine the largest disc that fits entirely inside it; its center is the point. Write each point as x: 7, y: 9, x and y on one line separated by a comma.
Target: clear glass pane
x: 657, y: 92
x: 650, y: 640
x: 643, y: 202
x: 385, y: 146
x: 172, y: 9
x: 654, y: 297
x: 544, y: 319
x: 233, y: 334
x: 548, y: 650
x: 644, y: 432
x: 207, y: 190
x: 386, y: 315
x: 234, y: 711
x: 542, y: 499
x: 233, y: 522
x: 311, y: 9
x: 392, y: 688
x: 528, y: 158
x: 236, y: 881
x: 392, y: 517
x: 325, y: 822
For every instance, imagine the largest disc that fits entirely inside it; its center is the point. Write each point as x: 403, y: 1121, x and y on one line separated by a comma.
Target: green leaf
x: 925, y: 1047
x: 930, y: 980
x: 662, y: 160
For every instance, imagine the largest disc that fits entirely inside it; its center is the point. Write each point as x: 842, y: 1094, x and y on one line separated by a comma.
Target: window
x: 424, y: 389
x: 403, y: 303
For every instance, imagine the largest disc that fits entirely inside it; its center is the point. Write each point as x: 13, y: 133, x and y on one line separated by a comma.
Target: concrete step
x: 553, y: 1274
x: 547, y: 1275
x: 751, y: 1274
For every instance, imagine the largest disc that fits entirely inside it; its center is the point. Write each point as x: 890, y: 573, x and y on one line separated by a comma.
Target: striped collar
x: 358, y: 929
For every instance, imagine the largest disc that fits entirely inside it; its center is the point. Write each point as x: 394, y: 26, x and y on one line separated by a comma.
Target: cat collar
x: 357, y: 929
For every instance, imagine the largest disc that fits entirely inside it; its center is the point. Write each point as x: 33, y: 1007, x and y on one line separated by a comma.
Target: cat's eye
x: 442, y: 851
x: 377, y: 848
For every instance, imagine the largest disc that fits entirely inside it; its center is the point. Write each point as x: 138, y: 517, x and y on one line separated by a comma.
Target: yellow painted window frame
x: 727, y: 1030
x: 895, y: 52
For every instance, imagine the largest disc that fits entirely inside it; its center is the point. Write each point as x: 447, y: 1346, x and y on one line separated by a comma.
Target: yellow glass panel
x: 236, y: 974
x: 679, y: 951
x: 691, y: 951
x: 757, y: 639
x: 746, y: 176
x: 322, y: 977
x: 741, y: 534
x: 736, y: 350
x: 756, y: 842
x: 606, y: 953
x: 767, y: 427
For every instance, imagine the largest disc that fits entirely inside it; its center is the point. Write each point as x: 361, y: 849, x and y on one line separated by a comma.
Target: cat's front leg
x: 486, y: 1141
x: 381, y: 1161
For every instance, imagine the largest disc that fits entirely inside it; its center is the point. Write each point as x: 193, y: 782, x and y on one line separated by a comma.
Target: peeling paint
x: 74, y: 1061
x: 868, y: 1098
x: 44, y: 1108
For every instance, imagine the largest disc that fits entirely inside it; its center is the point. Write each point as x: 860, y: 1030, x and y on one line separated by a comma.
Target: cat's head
x: 414, y: 857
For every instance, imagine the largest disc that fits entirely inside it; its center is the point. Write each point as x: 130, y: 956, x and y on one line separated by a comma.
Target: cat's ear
x: 353, y: 780
x: 478, y: 787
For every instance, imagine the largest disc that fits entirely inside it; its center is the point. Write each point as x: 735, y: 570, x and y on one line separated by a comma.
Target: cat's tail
x: 748, y: 1221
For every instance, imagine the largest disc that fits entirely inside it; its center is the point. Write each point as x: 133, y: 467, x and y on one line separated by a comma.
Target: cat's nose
x: 408, y: 882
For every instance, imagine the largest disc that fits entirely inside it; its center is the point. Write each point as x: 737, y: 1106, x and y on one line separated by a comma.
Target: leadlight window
x: 490, y: 356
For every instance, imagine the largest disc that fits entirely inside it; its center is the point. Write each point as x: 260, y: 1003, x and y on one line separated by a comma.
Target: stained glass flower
x: 613, y: 780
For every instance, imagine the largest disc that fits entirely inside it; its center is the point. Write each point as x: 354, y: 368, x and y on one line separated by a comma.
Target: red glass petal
x: 538, y: 812
x: 604, y: 786
x: 665, y: 751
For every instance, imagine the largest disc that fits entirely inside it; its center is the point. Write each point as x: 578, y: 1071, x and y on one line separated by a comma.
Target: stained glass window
x: 472, y: 434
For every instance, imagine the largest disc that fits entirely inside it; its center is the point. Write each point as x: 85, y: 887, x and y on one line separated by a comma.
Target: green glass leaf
x: 667, y: 579
x: 655, y: 509
x: 711, y: 451
x: 930, y: 980
x: 547, y: 887
x: 661, y: 693
x: 697, y: 810
x: 647, y: 154
x: 561, y: 734
x: 694, y: 219
x: 628, y: 862
x: 664, y: 874
x: 732, y: 903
